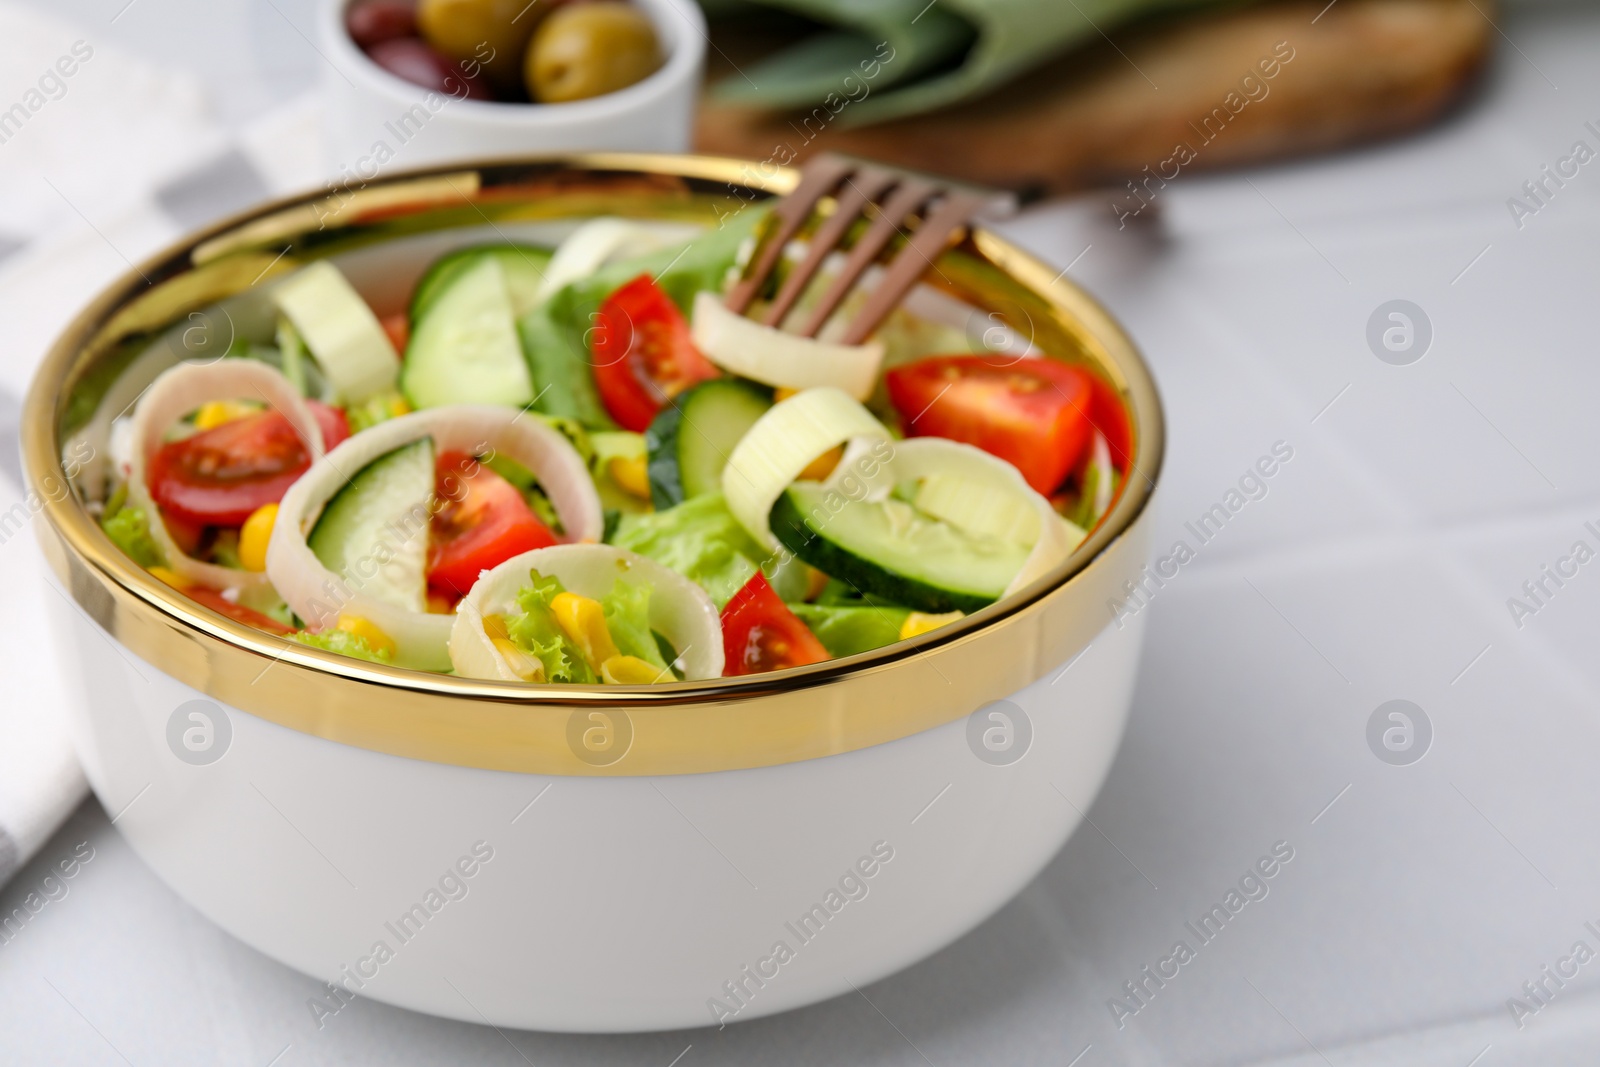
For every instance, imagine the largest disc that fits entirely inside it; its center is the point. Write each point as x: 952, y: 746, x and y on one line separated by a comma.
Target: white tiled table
x: 1419, y: 498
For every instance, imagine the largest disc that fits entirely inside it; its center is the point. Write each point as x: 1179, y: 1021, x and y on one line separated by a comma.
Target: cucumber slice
x: 374, y: 531
x: 889, y: 549
x: 465, y: 350
x: 525, y: 267
x: 690, y: 441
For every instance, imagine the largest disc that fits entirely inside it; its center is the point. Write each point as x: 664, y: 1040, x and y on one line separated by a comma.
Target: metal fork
x: 934, y: 209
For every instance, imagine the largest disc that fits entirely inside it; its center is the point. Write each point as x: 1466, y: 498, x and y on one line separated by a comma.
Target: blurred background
x: 1362, y: 230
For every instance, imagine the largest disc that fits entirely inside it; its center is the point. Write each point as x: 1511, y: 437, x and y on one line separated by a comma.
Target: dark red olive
x: 371, y: 22
x: 413, y: 60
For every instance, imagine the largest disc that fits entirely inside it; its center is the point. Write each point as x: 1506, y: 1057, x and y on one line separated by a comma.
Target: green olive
x: 585, y: 50
x: 493, y: 34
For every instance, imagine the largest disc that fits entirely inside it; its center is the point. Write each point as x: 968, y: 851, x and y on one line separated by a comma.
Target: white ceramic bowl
x: 377, y: 123
x: 577, y: 858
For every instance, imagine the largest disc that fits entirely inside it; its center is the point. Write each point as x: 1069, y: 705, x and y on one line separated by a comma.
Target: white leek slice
x: 784, y: 442
x: 1105, y: 480
x: 320, y: 596
x: 119, y: 442
x: 924, y: 458
x: 601, y: 241
x: 775, y: 358
x: 180, y: 390
x: 679, y: 609
x: 344, y: 336
x: 979, y: 506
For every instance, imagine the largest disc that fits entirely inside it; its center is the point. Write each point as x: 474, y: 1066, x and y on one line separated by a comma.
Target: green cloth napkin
x: 926, y: 55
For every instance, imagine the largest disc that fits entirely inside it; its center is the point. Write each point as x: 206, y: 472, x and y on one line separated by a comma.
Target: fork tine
x: 819, y: 178
x: 952, y: 214
x: 857, y: 193
x: 910, y: 195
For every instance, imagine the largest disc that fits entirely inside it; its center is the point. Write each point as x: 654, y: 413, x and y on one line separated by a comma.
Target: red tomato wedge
x: 397, y: 328
x: 1109, y: 415
x: 482, y: 521
x: 643, y: 355
x: 760, y: 633
x: 186, y: 535
x: 217, y: 477
x: 237, y: 612
x: 1033, y: 413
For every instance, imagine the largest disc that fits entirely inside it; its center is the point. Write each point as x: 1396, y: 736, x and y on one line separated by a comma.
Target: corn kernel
x: 918, y: 623
x: 398, y: 406
x: 217, y: 412
x: 524, y: 666
x: 816, y: 582
x: 171, y: 577
x: 584, y: 621
x: 365, y: 629
x: 631, y: 670
x: 254, y: 535
x: 823, y: 465
x: 631, y: 475
x: 782, y: 393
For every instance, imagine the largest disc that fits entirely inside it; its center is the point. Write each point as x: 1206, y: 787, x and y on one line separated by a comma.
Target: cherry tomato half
x: 760, y: 633
x: 1033, y: 413
x: 218, y: 477
x: 482, y: 521
x: 397, y: 328
x: 643, y: 355
x: 237, y: 612
x: 1109, y: 415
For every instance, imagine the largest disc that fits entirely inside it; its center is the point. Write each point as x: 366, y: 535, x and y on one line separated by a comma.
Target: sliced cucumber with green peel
x: 690, y: 441
x: 890, y: 550
x: 374, y: 531
x: 465, y: 348
x: 524, y: 267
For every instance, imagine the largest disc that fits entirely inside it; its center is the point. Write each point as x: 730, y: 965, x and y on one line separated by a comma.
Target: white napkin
x: 82, y: 144
x: 99, y: 168
x: 40, y: 783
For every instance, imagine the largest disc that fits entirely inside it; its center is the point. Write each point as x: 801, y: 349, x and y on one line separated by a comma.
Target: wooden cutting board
x: 1268, y: 81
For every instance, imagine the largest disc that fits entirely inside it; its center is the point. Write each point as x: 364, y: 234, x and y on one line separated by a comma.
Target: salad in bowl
x: 570, y: 463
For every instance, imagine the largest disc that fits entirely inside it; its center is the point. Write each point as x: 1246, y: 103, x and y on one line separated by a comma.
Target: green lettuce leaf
x: 558, y: 359
x: 129, y: 530
x: 618, y: 445
x: 535, y: 631
x: 701, y: 540
x: 380, y: 407
x: 627, y: 609
x: 845, y: 631
x: 344, y: 643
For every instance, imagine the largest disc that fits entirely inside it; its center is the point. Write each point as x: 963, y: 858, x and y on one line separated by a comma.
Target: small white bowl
x: 376, y: 122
